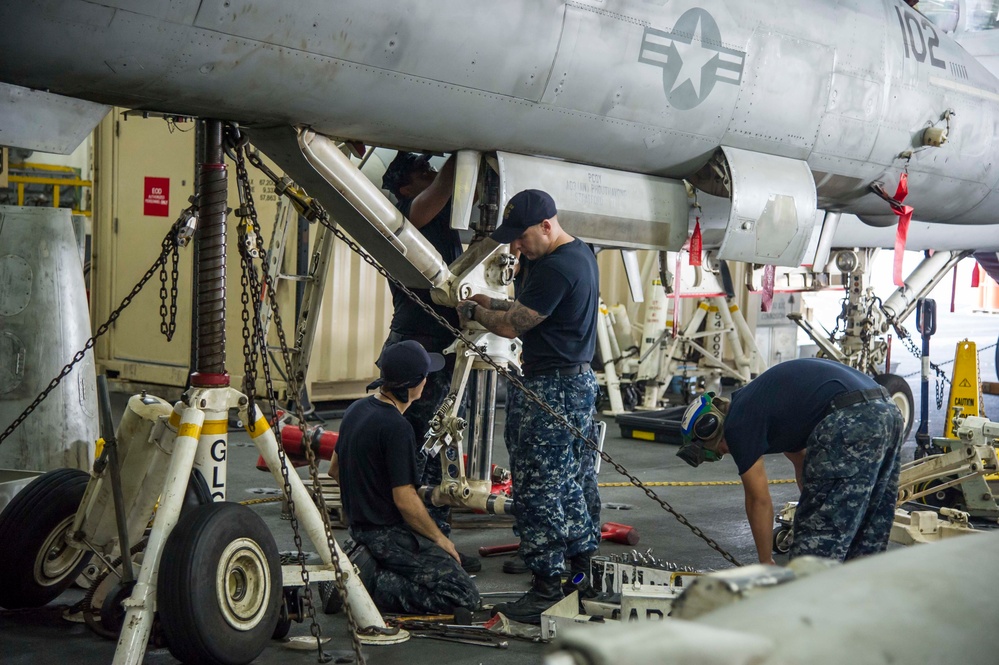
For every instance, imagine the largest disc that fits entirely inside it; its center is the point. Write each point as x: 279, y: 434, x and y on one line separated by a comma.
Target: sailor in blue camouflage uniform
x: 555, y: 315
x: 424, y: 197
x: 417, y: 569
x: 842, y: 433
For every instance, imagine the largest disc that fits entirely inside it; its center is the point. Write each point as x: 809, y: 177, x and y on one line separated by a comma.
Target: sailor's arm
x: 759, y: 510
x: 432, y: 200
x: 506, y: 318
x: 418, y: 519
x: 798, y: 460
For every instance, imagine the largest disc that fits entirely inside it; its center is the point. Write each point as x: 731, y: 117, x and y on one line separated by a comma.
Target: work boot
x: 579, y: 578
x: 470, y: 563
x: 545, y: 592
x: 515, y: 566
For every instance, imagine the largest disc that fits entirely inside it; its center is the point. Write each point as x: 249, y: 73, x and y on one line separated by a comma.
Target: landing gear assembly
x: 858, y: 338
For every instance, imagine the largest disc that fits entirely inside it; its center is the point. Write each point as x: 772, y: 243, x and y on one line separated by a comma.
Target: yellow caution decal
x: 965, y: 387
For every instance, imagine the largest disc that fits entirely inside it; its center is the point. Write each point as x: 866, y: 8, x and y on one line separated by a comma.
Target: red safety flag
x: 901, y: 233
x: 695, y: 243
x: 974, y: 276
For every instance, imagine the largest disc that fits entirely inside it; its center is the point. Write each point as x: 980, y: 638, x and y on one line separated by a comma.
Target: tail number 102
x: 915, y: 41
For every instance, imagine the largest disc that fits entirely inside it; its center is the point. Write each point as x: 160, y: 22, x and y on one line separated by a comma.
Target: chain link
x: 247, y: 244
x: 317, y: 212
x: 168, y: 245
x: 941, y: 376
x: 168, y: 320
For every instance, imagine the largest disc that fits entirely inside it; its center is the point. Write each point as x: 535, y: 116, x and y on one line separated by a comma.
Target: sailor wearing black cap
x: 424, y: 196
x: 418, y: 569
x: 555, y: 315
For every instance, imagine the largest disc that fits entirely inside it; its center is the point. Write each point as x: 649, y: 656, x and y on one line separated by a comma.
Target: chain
x: 168, y: 325
x: 316, y: 211
x: 941, y: 377
x: 248, y: 247
x: 168, y: 245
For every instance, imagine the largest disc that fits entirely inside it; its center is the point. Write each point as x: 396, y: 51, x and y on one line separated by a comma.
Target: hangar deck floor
x: 43, y: 637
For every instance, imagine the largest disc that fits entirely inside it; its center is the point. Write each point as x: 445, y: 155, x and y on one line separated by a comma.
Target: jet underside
x: 846, y: 87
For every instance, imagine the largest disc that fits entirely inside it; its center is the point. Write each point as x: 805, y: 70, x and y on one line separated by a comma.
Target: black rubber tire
x: 219, y: 540
x: 29, y: 527
x: 283, y: 626
x: 782, y: 539
x: 901, y: 394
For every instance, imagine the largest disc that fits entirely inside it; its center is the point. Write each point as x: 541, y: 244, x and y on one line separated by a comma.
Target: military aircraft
x: 818, y: 98
x: 795, y: 122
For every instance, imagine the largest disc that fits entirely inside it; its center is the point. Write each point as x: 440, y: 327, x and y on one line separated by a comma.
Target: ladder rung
x: 296, y: 278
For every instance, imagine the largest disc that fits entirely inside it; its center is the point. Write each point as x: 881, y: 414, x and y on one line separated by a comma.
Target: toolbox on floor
x: 659, y: 426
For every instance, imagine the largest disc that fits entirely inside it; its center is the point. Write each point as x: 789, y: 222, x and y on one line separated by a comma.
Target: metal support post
x: 482, y: 417
x: 139, y: 607
x: 210, y: 242
x: 605, y: 332
x: 926, y: 324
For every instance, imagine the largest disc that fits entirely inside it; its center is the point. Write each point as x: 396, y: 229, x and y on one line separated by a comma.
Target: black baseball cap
x: 524, y: 210
x: 397, y: 174
x: 405, y: 364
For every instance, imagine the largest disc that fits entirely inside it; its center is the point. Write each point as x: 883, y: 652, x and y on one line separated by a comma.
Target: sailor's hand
x: 466, y: 311
x: 446, y: 545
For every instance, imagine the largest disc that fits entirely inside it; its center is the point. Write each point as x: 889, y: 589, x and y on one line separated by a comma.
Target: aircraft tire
x: 901, y: 394
x: 36, y: 563
x: 219, y: 591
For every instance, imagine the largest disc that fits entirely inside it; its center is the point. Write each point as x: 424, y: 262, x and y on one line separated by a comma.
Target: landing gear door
x: 773, y: 208
x: 601, y: 206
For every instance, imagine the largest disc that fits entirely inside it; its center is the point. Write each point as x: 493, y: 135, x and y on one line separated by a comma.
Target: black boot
x: 579, y: 578
x: 545, y: 592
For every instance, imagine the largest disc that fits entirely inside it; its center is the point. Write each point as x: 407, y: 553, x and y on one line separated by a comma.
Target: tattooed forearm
x: 501, y: 305
x: 523, y: 319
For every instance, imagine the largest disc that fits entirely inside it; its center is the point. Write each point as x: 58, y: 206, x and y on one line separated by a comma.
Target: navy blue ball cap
x: 525, y: 209
x: 405, y: 364
x: 397, y: 174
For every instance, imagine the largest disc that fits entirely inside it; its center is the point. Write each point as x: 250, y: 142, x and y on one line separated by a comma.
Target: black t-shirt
x: 408, y: 318
x: 563, y: 286
x: 376, y: 449
x: 777, y: 411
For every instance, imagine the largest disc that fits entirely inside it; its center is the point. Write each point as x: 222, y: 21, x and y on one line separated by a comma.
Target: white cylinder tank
x: 44, y: 321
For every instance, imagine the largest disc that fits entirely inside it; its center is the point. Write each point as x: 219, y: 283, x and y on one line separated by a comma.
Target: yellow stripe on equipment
x: 215, y: 427
x: 189, y: 429
x: 259, y: 427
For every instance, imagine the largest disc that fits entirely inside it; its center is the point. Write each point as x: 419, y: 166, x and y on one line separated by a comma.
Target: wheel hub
x: 243, y: 584
x: 56, y: 557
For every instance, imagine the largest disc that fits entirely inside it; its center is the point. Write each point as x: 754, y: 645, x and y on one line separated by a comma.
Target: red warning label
x: 156, y: 197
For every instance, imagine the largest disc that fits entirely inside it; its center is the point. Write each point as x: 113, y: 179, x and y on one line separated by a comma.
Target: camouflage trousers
x: 555, y: 496
x: 415, y: 576
x: 850, y: 481
x: 419, y: 414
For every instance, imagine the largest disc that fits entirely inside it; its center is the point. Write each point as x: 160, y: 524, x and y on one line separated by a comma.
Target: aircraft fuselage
x: 645, y: 87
